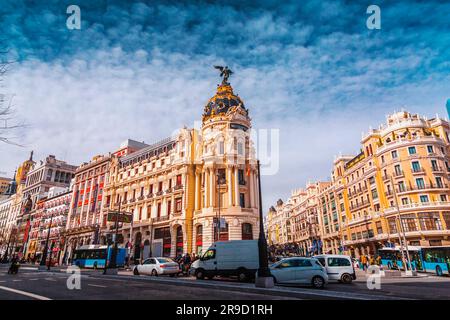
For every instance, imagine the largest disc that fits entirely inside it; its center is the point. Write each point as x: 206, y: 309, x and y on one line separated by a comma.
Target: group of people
x: 185, y: 261
x: 365, y: 261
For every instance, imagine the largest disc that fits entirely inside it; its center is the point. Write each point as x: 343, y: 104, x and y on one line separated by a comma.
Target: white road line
x: 17, y: 280
x: 96, y: 285
x: 33, y: 279
x: 28, y: 294
x: 50, y: 279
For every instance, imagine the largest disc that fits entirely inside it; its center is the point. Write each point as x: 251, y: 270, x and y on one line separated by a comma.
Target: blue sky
x: 141, y: 69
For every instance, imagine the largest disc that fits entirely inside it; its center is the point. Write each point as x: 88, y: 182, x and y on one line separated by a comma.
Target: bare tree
x: 8, y: 119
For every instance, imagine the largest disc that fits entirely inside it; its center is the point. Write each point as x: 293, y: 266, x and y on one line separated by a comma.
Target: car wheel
x: 154, y: 273
x: 318, y: 282
x: 136, y: 271
x: 242, y: 275
x: 346, y: 278
x: 200, y: 274
x: 439, y: 271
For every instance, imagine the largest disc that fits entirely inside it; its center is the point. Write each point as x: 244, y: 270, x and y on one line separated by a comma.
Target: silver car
x: 157, y: 266
x: 306, y: 271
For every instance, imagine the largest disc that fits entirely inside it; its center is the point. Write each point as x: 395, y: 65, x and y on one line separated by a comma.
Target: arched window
x: 223, y: 232
x: 247, y: 231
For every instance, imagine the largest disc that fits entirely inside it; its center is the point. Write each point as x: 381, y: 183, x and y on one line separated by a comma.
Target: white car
x: 157, y: 266
x: 338, y: 267
x: 307, y: 271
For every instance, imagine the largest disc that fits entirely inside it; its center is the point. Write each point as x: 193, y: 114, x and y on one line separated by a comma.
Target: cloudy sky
x: 140, y: 69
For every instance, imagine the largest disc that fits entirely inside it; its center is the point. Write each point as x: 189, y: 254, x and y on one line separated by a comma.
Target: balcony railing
x: 159, y: 193
x: 178, y: 187
x: 161, y: 218
x: 150, y: 195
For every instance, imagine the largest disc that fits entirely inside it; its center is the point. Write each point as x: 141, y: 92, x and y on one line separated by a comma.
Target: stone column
x: 230, y: 186
x: 197, y: 188
x: 211, y: 187
x: 236, y: 186
x: 251, y: 187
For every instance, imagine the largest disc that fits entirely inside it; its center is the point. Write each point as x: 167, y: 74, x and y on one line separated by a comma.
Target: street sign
x: 123, y: 217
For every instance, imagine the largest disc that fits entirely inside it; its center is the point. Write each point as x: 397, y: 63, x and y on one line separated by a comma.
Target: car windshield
x: 165, y: 260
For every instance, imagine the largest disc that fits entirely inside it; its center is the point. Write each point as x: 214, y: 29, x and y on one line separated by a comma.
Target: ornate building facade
x: 398, y: 183
x: 193, y: 188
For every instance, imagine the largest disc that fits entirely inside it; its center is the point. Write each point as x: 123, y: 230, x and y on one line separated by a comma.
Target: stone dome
x: 223, y: 101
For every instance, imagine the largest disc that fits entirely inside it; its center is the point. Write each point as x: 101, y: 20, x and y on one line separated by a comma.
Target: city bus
x: 391, y: 258
x: 436, y: 259
x: 425, y: 259
x: 94, y: 256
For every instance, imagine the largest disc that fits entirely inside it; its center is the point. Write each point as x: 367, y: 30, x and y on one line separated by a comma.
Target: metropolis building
x: 190, y: 189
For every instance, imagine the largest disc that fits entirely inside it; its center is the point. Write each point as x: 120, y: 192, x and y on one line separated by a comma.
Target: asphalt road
x: 41, y: 285
x: 33, y: 284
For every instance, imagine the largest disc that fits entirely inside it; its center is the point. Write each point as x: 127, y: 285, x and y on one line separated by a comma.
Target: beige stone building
x: 178, y: 189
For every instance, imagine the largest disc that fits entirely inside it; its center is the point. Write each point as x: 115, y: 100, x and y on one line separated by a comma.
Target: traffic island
x: 111, y: 271
x: 264, y: 282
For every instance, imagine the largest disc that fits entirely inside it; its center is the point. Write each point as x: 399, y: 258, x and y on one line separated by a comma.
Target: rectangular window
x: 221, y: 176
x: 420, y: 183
x: 434, y: 165
x: 398, y: 170
x: 415, y: 166
x: 430, y: 149
x: 178, y: 179
x: 240, y: 148
x: 241, y: 177
x: 439, y: 183
x: 430, y: 221
x: 242, y: 200
x: 412, y: 150
x: 158, y: 212
x: 424, y: 198
x: 394, y: 154
x: 160, y: 186
x: 221, y: 147
x: 169, y: 204
x: 404, y: 201
x: 401, y: 186
x: 443, y: 197
x: 178, y: 205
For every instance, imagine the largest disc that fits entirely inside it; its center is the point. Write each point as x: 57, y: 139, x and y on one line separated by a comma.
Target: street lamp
x: 401, y: 232
x: 111, y: 268
x: 44, y: 254
x: 264, y: 279
x: 219, y: 181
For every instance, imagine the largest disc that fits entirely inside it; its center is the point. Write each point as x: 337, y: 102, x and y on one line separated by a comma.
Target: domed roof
x: 223, y: 101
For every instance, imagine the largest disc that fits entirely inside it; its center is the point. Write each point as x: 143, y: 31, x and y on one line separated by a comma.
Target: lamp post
x: 44, y: 254
x: 401, y: 232
x: 111, y: 268
x: 264, y: 279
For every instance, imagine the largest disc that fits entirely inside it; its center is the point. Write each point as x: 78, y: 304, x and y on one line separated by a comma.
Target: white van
x: 228, y: 258
x: 338, y: 267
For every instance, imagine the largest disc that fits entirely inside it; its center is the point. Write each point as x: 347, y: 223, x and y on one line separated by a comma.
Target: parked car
x: 338, y: 267
x: 157, y: 266
x: 228, y: 258
x: 307, y: 271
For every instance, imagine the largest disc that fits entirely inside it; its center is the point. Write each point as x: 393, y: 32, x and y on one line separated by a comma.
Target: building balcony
x: 419, y: 206
x: 418, y: 171
x: 159, y: 193
x: 161, y: 219
x: 169, y: 190
x: 178, y: 187
x: 150, y: 195
x: 140, y: 198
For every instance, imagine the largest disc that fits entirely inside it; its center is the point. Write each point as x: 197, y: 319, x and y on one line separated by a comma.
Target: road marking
x: 96, y: 285
x: 50, y: 279
x: 17, y: 280
x: 33, y: 279
x: 28, y: 294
